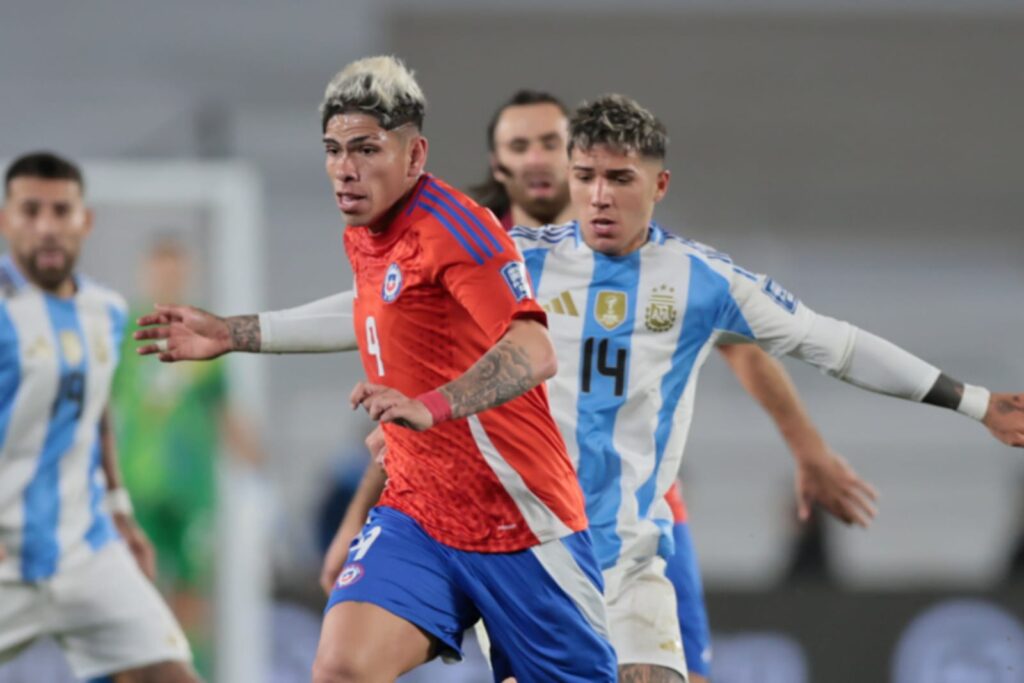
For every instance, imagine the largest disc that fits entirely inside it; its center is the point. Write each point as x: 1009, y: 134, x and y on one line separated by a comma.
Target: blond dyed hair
x: 382, y: 87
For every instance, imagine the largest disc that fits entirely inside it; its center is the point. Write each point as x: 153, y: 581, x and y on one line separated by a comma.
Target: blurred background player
x: 528, y: 185
x: 67, y: 570
x: 482, y: 515
x: 528, y: 175
x: 171, y: 422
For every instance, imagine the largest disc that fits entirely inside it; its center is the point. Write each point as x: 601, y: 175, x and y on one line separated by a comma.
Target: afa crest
x: 661, y: 312
x: 71, y: 348
x: 610, y: 309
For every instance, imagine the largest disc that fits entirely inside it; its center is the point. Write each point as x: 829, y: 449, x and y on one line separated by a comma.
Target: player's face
x: 45, y: 222
x: 370, y: 168
x: 530, y: 158
x: 613, y: 197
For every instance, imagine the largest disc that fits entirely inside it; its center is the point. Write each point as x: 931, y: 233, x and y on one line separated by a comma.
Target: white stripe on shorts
x: 559, y: 563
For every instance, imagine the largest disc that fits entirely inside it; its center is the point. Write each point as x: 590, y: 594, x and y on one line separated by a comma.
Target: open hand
x: 183, y: 333
x: 830, y: 482
x: 139, y: 546
x: 1005, y: 418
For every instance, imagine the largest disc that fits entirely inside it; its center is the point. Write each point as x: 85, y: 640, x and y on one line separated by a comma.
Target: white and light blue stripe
x: 628, y: 448
x: 56, y: 366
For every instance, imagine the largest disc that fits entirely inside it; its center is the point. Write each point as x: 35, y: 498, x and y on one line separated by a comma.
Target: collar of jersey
x: 404, y: 215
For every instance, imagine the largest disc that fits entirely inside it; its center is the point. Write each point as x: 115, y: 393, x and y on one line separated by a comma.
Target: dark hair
x: 490, y: 192
x: 620, y: 123
x: 44, y: 165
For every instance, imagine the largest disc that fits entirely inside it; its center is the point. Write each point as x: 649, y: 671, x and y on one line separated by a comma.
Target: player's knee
x: 648, y: 673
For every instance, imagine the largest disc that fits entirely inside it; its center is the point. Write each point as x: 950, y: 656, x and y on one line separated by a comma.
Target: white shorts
x: 642, y: 617
x: 104, y: 614
x: 643, y: 623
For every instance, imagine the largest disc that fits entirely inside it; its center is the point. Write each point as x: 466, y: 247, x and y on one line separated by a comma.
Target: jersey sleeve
x: 782, y: 324
x: 759, y: 309
x: 485, y: 273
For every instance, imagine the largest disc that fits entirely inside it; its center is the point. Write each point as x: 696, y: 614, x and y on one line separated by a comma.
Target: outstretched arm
x: 783, y: 325
x: 870, y: 362
x: 523, y: 358
x: 189, y: 333
x: 822, y: 477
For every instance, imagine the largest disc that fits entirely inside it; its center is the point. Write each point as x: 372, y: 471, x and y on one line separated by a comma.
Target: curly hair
x: 618, y: 122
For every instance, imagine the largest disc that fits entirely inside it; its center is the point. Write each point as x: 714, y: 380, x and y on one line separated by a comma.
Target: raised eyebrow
x: 553, y: 136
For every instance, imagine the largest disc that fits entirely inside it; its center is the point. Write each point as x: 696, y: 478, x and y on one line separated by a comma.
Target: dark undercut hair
x: 489, y: 192
x: 379, y: 86
x: 619, y: 123
x: 45, y: 165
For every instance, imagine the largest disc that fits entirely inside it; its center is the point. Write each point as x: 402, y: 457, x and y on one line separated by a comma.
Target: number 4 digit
x: 373, y: 344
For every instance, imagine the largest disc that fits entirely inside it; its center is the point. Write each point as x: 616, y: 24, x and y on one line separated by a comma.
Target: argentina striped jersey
x: 631, y: 334
x: 57, y: 358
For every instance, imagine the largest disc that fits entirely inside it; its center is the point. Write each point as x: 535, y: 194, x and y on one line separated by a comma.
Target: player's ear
x: 661, y: 184
x: 89, y: 218
x: 417, y: 156
x: 498, y: 172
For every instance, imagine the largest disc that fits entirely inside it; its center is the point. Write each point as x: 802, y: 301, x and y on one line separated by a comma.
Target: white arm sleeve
x: 783, y: 325
x: 865, y: 360
x: 320, y: 326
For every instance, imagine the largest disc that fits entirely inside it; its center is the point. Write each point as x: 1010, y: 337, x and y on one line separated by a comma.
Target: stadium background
x: 867, y: 154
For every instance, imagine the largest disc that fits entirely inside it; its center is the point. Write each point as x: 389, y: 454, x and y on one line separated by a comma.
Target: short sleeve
x: 485, y: 273
x: 760, y: 309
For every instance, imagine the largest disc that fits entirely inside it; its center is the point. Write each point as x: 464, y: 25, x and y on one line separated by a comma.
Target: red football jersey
x: 434, y: 292
x: 676, y: 502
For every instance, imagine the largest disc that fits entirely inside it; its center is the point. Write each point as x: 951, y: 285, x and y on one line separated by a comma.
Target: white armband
x: 321, y: 326
x: 119, y: 502
x: 974, y: 402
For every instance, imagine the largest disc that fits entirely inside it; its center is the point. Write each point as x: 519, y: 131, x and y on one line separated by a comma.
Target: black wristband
x: 945, y: 393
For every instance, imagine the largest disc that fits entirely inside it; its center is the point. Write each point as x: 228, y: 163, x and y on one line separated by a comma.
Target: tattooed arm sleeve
x: 521, y: 360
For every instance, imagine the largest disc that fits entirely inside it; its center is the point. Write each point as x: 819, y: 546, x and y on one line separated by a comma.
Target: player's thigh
x: 396, y: 590
x: 162, y: 672
x: 684, y: 573
x: 111, y: 619
x: 649, y: 673
x: 642, y: 618
x: 544, y: 612
x: 360, y: 641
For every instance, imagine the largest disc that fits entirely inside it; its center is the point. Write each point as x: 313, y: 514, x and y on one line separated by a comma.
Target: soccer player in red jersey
x: 482, y: 516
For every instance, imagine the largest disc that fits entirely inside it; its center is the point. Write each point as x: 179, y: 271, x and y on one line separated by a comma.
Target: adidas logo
x: 562, y: 305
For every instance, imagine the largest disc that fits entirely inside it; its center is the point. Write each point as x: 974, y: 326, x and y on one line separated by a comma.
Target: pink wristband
x: 437, y: 404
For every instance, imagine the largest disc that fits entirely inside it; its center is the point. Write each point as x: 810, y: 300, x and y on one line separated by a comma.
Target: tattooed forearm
x: 647, y: 673
x: 500, y: 375
x: 1010, y: 403
x: 245, y: 332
